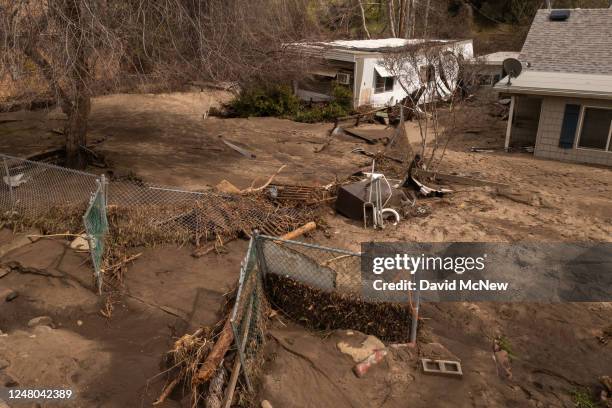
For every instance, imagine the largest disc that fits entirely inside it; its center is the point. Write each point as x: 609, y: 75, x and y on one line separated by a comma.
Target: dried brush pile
x: 202, y: 220
x: 52, y: 220
x: 321, y: 310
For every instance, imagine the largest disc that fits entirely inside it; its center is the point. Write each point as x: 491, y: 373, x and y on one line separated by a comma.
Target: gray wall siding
x: 549, y: 131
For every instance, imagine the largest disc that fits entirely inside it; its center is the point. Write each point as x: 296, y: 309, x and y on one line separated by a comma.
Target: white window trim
x: 385, y: 78
x: 579, y: 130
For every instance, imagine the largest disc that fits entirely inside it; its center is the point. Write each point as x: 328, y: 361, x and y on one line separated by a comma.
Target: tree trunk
x: 79, y: 76
x: 76, y: 131
x: 400, y: 21
x: 408, y: 18
x: 363, y: 19
x: 391, y: 12
x: 413, y: 19
x: 426, y: 18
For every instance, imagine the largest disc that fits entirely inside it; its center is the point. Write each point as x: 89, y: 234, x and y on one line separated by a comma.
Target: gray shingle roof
x: 581, y: 44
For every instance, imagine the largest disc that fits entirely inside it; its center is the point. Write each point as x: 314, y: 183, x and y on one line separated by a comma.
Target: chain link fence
x: 37, y: 190
x: 249, y: 315
x: 129, y: 213
x: 319, y: 287
x: 152, y: 214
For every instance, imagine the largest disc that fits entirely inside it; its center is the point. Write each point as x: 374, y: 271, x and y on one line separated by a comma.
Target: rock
x: 40, y: 321
x: 7, y: 381
x: 4, y: 271
x: 367, y: 348
x: 80, y: 243
x: 4, y: 364
x: 10, y: 295
x: 502, y: 359
x: 606, y: 381
x: 266, y: 404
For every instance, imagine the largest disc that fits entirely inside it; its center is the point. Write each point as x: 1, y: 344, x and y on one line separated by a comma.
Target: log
x: 300, y: 231
x: 215, y: 357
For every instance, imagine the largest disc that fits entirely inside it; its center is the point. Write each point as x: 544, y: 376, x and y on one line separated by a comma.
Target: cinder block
x: 442, y: 367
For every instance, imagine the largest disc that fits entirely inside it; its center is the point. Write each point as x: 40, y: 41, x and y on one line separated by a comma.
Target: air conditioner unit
x: 343, y: 78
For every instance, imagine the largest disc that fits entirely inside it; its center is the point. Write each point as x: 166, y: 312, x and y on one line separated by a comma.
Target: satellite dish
x: 513, y: 68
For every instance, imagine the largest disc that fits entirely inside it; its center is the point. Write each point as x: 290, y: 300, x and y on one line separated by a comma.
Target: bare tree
x: 430, y: 74
x: 81, y: 48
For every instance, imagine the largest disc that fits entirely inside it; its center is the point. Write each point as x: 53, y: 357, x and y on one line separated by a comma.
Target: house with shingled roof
x: 561, y: 102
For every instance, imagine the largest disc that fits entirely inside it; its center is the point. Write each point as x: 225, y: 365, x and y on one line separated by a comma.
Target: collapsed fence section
x: 154, y: 214
x: 321, y: 288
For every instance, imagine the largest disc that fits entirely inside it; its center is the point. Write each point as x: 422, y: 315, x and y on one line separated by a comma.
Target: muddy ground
x: 164, y: 139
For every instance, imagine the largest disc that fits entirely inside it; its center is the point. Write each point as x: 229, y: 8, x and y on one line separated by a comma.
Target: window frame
x: 385, y: 90
x: 577, y: 146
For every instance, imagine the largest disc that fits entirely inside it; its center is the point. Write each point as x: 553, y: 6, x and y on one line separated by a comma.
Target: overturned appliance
x: 370, y: 200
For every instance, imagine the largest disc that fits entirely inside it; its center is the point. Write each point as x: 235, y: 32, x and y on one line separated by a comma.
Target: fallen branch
x: 123, y: 262
x: 35, y: 237
x: 198, y: 253
x: 253, y: 190
x: 167, y: 391
x: 215, y: 357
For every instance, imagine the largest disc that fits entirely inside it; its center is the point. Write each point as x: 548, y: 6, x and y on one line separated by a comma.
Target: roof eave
x: 552, y: 92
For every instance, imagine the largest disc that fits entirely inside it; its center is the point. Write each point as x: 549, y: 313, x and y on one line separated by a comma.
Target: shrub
x: 280, y: 101
x: 270, y: 101
x: 343, y: 96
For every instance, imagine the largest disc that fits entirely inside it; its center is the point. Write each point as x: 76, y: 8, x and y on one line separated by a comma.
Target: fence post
x: 259, y: 254
x: 104, y: 193
x: 8, y: 181
x: 415, y: 313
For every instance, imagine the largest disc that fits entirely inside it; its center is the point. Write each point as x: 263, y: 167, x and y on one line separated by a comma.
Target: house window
x: 382, y: 84
x: 596, y: 129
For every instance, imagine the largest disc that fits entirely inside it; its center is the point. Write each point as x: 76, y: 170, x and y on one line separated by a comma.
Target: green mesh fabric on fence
x: 96, y: 226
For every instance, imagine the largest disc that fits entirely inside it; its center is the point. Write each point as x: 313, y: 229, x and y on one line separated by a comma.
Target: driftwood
x: 215, y: 389
x: 266, y: 184
x: 311, y: 226
x: 215, y: 357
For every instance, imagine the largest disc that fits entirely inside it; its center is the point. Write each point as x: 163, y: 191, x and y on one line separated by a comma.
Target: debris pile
x: 323, y: 310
